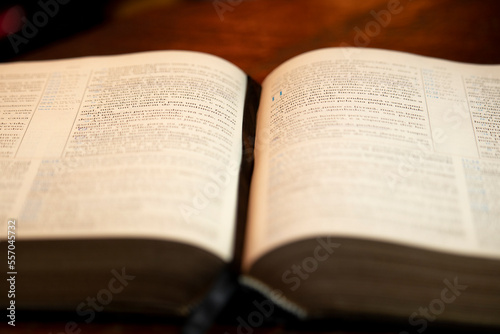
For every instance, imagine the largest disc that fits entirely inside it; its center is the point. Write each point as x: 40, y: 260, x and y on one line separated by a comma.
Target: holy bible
x: 368, y: 183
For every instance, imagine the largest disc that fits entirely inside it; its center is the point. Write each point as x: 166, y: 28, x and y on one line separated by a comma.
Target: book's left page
x: 144, y: 145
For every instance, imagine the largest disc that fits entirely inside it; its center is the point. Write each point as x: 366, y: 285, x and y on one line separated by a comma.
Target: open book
x: 375, y: 187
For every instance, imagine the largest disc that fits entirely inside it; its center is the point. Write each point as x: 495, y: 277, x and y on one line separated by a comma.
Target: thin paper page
x: 142, y: 145
x: 377, y: 144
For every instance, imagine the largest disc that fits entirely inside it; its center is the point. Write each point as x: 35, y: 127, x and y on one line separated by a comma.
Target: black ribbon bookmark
x: 202, y: 318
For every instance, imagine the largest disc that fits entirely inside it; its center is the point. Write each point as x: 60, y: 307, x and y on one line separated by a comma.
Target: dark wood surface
x: 258, y: 35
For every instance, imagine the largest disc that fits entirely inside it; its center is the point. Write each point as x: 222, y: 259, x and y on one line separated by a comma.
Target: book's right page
x: 381, y: 145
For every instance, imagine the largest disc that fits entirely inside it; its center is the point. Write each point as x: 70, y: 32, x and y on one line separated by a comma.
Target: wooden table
x: 258, y: 35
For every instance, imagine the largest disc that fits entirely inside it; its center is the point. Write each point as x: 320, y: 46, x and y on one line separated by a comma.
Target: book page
x: 380, y: 145
x: 141, y: 145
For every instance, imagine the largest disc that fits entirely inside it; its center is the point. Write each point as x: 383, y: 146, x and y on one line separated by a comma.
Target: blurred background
x: 256, y: 35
